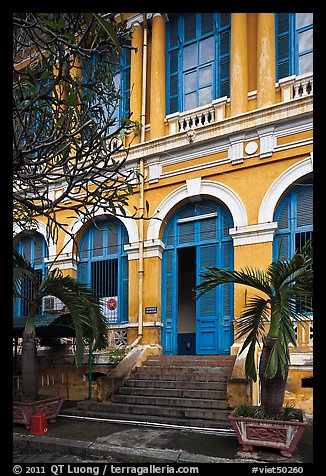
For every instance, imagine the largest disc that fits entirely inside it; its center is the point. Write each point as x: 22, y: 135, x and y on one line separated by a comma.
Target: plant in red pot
x: 89, y: 322
x: 285, y: 298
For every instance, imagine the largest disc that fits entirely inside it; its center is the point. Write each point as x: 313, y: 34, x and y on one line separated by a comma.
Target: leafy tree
x: 286, y: 289
x: 66, y: 156
x: 84, y: 308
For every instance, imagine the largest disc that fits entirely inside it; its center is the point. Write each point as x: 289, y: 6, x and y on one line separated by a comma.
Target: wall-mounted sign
x: 150, y: 310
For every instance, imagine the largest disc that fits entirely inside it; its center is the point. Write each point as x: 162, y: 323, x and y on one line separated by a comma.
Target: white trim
x: 279, y: 186
x: 152, y: 249
x: 41, y: 228
x: 208, y: 187
x: 251, y: 234
x: 129, y: 223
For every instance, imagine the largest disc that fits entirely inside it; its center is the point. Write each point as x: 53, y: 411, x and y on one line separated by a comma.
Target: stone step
x: 157, y: 411
x: 148, y: 419
x: 176, y: 384
x: 176, y: 376
x: 178, y: 360
x: 186, y: 368
x: 172, y: 392
x: 198, y: 403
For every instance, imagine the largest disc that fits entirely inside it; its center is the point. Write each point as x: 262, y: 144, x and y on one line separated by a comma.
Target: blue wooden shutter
x: 169, y: 304
x: 283, y: 45
x: 226, y: 329
x: 224, y: 64
x: 304, y: 212
x: 124, y: 290
x: 206, y: 313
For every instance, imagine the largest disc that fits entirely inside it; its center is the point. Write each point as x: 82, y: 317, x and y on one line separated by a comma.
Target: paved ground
x: 113, y: 442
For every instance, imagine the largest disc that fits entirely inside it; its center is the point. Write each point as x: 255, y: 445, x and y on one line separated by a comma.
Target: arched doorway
x: 195, y: 237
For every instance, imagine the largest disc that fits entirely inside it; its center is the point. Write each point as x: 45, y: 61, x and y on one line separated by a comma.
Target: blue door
x: 203, y: 228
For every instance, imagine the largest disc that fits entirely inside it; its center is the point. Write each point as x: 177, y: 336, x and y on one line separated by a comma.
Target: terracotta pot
x: 23, y: 411
x: 282, y: 435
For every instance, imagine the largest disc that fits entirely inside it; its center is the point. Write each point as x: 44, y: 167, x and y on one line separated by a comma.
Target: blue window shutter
x: 174, y: 81
x: 206, y: 314
x: 82, y: 272
x: 225, y: 327
x: 124, y: 291
x: 283, y: 45
x: 224, y: 64
x: 169, y: 305
x: 304, y: 212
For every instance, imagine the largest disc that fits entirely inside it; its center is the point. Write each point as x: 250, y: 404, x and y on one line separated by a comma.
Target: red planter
x: 282, y: 435
x: 23, y: 411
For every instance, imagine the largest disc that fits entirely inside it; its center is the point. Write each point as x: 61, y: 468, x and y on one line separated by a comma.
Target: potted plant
x: 285, y: 297
x: 89, y: 322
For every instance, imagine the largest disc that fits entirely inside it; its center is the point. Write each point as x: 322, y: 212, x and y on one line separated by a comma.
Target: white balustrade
x: 201, y: 116
x: 303, y: 86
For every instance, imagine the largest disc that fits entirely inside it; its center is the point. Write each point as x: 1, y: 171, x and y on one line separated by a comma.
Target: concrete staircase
x: 178, y: 390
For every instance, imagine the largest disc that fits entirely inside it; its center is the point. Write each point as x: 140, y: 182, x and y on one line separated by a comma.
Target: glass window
x: 104, y: 267
x: 294, y: 47
x: 35, y: 251
x: 198, y: 63
x: 303, y: 19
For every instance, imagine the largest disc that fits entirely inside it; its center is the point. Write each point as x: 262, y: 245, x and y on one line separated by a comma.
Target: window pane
x: 303, y: 19
x: 189, y: 26
x: 305, y: 64
x: 206, y: 50
x: 205, y: 76
x: 206, y: 22
x: 173, y: 30
x: 305, y: 41
x: 190, y: 82
x: 205, y: 96
x: 190, y: 56
x: 190, y: 101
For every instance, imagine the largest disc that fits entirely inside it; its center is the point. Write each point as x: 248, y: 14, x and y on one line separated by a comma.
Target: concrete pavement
x: 147, y: 443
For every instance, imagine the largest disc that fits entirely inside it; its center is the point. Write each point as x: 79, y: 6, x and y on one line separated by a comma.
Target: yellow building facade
x: 226, y: 141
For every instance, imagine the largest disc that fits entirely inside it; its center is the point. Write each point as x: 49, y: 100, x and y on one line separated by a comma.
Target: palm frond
x: 84, y: 307
x: 251, y: 323
x: 255, y: 278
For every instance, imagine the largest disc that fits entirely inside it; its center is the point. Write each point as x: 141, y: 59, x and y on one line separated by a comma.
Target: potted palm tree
x: 285, y: 296
x: 89, y: 323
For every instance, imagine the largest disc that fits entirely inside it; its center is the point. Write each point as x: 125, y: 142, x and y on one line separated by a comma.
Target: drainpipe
x: 141, y: 195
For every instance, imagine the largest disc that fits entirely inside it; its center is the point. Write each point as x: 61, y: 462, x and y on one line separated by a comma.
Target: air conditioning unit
x: 53, y: 304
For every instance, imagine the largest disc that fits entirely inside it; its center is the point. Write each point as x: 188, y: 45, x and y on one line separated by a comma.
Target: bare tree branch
x: 66, y: 136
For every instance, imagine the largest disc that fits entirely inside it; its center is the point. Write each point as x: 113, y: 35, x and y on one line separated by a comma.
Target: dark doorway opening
x: 186, y: 301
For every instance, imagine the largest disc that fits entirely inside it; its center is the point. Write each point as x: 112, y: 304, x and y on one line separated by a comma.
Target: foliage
x: 289, y: 413
x: 286, y: 285
x: 65, y: 153
x: 84, y: 307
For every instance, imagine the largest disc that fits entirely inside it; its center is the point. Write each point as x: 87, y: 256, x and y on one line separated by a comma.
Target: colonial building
x: 225, y: 104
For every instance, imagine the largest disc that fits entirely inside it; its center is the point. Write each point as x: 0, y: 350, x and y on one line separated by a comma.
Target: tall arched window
x: 104, y: 266
x: 35, y: 250
x: 294, y: 216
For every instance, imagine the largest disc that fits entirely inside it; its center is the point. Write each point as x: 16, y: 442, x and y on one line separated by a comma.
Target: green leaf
x: 72, y: 99
x: 61, y: 23
x: 110, y: 31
